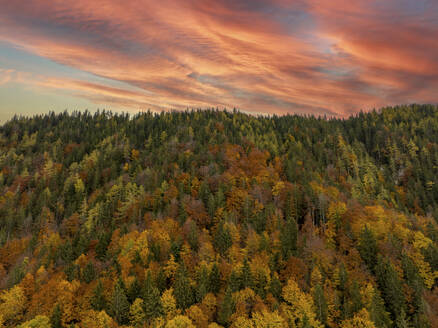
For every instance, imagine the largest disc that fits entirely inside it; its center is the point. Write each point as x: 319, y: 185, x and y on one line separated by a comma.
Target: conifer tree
x: 98, y: 301
x: 182, y: 289
x: 56, y: 317
x: 226, y: 309
x: 214, y: 284
x: 368, y: 248
x: 151, y: 296
x: 222, y: 239
x: 119, y: 304
x: 288, y: 237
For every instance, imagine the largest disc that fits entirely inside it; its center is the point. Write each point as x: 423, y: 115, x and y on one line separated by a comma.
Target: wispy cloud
x: 306, y: 56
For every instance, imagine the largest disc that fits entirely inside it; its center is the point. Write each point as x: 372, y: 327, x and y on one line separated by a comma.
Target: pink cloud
x: 249, y: 55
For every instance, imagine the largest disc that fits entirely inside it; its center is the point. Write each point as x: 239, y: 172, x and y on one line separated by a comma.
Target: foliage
x: 201, y: 218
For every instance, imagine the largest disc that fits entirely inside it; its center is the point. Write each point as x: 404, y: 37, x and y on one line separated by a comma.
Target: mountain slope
x: 191, y: 218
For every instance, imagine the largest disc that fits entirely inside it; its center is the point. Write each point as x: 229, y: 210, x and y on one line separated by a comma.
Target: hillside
x: 207, y: 218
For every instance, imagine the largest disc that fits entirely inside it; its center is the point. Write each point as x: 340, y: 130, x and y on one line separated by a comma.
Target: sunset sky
x: 330, y: 57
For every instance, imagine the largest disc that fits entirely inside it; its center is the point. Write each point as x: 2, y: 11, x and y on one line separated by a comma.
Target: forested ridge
x: 215, y: 218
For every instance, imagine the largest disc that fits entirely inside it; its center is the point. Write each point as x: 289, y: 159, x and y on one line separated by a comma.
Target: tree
x: 202, y: 284
x: 214, y: 279
x: 246, y: 277
x: 359, y: 320
x: 169, y: 303
x: 40, y: 321
x: 377, y: 311
x: 151, y: 296
x: 265, y: 319
x: 391, y: 287
x: 222, y: 239
x: 134, y: 290
x: 88, y: 273
x: 56, y: 318
x: 98, y: 301
x: 368, y: 248
x: 299, y: 306
x: 136, y: 313
x: 226, y: 309
x: 183, y: 290
x: 321, y: 308
x: 180, y: 321
x: 119, y: 304
x: 12, y: 304
x: 288, y: 237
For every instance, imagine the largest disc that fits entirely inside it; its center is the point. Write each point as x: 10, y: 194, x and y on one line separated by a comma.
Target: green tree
x: 319, y: 300
x: 98, y: 301
x: 222, y: 239
x: 368, y: 248
x: 183, y: 290
x: 119, y: 307
x: 56, y: 317
x: 226, y: 309
x: 151, y: 296
x: 391, y: 287
x: 214, y: 279
x: 288, y: 238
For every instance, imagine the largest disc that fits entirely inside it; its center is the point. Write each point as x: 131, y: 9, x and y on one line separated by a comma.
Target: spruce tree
x: 56, y: 317
x: 368, y: 248
x: 134, y: 290
x: 214, y: 279
x: 288, y: 238
x: 119, y: 304
x: 391, y: 287
x: 151, y: 296
x: 202, y: 284
x: 378, y: 312
x: 182, y: 290
x: 222, y: 239
x: 226, y: 309
x: 320, y: 304
x: 246, y: 277
x: 98, y: 301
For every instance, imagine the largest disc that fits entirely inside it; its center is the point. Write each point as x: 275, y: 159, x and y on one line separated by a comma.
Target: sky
x: 317, y: 57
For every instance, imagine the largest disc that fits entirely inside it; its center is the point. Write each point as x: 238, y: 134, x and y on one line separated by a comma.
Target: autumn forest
x: 220, y: 219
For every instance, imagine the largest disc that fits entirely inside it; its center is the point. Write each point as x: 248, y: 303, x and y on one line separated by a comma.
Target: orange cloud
x: 306, y: 56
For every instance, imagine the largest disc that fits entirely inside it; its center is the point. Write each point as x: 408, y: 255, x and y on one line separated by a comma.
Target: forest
x: 214, y: 218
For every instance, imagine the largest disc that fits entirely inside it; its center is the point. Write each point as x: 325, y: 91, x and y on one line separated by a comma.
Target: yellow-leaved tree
x: 12, y: 304
x: 40, y: 321
x: 299, y: 307
x: 180, y: 321
x: 359, y: 320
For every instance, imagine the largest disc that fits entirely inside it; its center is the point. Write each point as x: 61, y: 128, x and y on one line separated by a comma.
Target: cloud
x: 304, y: 56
